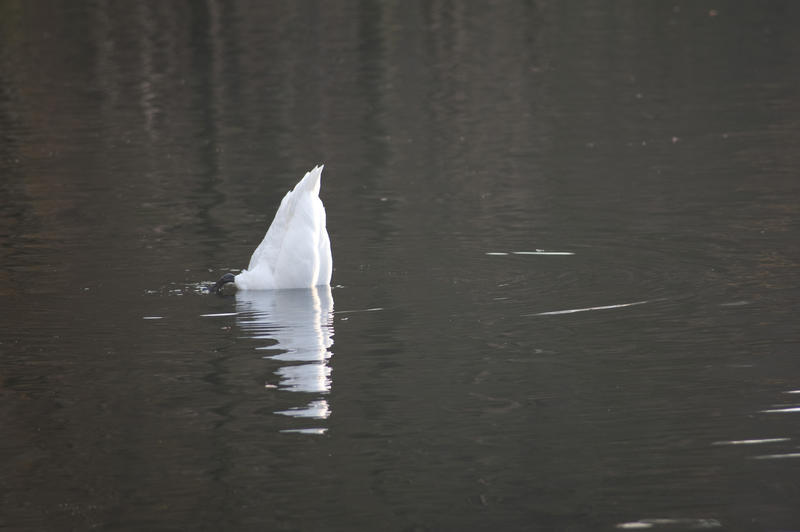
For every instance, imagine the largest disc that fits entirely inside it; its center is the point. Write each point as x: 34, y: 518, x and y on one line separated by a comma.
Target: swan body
x: 296, y: 251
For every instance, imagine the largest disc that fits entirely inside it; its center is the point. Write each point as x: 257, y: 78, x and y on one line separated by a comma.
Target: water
x: 454, y: 378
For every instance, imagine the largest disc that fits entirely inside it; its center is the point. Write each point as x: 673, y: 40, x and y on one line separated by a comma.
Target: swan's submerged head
x: 225, y: 286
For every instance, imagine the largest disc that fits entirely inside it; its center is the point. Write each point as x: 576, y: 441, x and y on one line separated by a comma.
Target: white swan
x: 296, y: 251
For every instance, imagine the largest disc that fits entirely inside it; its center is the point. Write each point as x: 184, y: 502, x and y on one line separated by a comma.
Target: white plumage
x: 296, y: 251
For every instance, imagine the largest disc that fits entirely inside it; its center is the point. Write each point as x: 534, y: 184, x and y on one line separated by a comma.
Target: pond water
x: 565, y: 285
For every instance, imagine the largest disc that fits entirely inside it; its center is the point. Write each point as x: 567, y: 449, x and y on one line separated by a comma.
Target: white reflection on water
x: 536, y: 252
x: 751, y: 442
x: 689, y: 523
x: 316, y: 409
x: 779, y: 410
x: 777, y: 456
x: 299, y: 324
x: 587, y: 309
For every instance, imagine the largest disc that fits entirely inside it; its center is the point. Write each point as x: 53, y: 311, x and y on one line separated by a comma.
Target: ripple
x: 315, y: 409
x: 535, y: 252
x: 543, y: 252
x: 781, y: 410
x: 776, y: 456
x: 587, y: 309
x: 751, y: 442
x: 690, y: 523
x: 359, y: 310
x: 735, y: 304
x: 306, y: 431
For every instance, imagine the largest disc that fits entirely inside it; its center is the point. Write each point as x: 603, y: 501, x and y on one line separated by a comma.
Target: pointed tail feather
x: 310, y: 181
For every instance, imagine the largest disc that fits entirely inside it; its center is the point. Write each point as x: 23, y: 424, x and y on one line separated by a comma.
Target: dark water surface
x: 648, y: 377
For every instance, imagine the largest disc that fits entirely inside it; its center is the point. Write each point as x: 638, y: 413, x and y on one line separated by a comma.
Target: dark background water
x: 144, y: 147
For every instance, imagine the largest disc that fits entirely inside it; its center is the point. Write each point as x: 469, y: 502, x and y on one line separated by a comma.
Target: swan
x: 296, y: 251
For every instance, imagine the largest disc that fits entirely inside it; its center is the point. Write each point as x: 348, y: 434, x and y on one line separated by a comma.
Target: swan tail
x: 310, y: 181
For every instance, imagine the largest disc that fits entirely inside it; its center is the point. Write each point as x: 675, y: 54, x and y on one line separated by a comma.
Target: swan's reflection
x: 300, y: 323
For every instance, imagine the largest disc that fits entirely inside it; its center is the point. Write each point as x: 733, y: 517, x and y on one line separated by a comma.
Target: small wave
x: 751, y: 442
x: 543, y: 252
x: 315, y: 409
x: 690, y: 523
x: 776, y: 456
x: 361, y: 310
x: 305, y: 431
x: 587, y: 309
x: 535, y: 252
x: 781, y: 410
